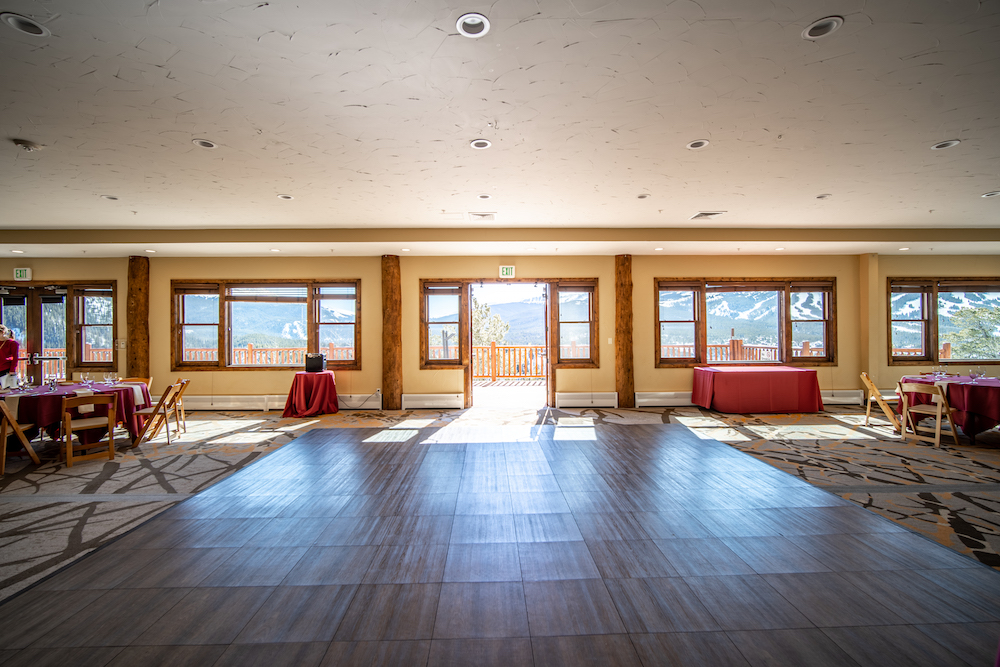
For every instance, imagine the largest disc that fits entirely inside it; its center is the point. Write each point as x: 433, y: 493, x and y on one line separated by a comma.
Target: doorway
x: 37, y: 316
x: 509, y: 323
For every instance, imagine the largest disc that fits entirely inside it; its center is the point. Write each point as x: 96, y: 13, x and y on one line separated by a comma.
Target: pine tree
x: 486, y: 329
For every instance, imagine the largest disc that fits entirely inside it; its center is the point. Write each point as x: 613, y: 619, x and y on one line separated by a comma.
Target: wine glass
x: 976, y: 373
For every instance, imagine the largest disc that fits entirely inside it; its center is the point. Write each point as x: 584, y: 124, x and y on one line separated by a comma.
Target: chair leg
x: 69, y: 448
x: 868, y: 412
x: 3, y: 447
x: 954, y: 429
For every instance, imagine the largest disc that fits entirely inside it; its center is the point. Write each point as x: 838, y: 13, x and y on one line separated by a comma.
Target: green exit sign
x: 506, y: 271
x: 22, y: 274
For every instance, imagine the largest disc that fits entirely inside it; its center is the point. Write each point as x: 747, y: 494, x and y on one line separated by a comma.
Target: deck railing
x: 508, y: 361
x: 267, y: 356
x: 737, y: 350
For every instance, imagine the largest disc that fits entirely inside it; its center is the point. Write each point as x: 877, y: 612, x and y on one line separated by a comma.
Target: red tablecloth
x: 977, y: 405
x: 746, y: 389
x: 43, y: 408
x: 311, y: 394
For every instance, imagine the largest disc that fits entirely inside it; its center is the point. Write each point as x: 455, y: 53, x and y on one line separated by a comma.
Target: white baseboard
x: 275, y: 402
x: 422, y: 401
x: 359, y: 401
x: 843, y: 397
x: 598, y: 399
x: 649, y: 399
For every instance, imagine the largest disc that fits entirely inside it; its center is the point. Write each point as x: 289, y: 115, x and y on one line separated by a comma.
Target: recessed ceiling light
x: 25, y: 25
x: 485, y: 196
x: 203, y: 143
x: 275, y: 250
x: 945, y: 144
x: 472, y: 25
x: 17, y: 252
x: 109, y: 197
x: 995, y: 193
x: 643, y: 196
x: 286, y: 197
x: 697, y: 144
x: 532, y: 249
x: 904, y: 248
x: 405, y: 249
x: 657, y: 248
x: 822, y: 27
x: 480, y: 144
x: 151, y: 252
x: 26, y: 145
x: 779, y: 248
x: 824, y: 196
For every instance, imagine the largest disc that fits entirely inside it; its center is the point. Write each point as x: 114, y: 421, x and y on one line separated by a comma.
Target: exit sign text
x: 22, y: 274
x: 506, y: 271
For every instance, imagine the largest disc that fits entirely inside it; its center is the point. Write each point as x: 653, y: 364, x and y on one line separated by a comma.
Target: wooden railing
x: 266, y: 356
x: 57, y: 367
x: 508, y: 361
x: 736, y: 350
x: 943, y: 353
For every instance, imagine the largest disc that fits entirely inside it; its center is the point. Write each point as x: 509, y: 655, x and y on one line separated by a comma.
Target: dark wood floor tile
x: 407, y: 564
x: 671, y: 524
x: 252, y: 566
x: 979, y: 586
x: 376, y: 654
x: 624, y: 559
x: 483, y: 562
x: 484, y: 528
x: 484, y: 503
x: 973, y: 642
x: 480, y: 652
x: 289, y: 532
x: 916, y: 551
x: 345, y: 484
x: 572, y: 466
x: 852, y: 519
x: 273, y: 655
x: 197, y: 533
x: 102, y: 569
x: 534, y: 484
x: 90, y: 627
x: 598, y: 502
x: 609, y: 526
x: 892, y: 646
x: 167, y: 656
x: 541, y: 561
x: 529, y: 468
x: 60, y: 657
x: 684, y: 649
x: 433, y: 484
x: 828, y: 600
x: 773, y: 555
x: 373, y: 505
x: 659, y: 605
x: 257, y: 507
x: 538, y: 503
x: 488, y: 481
x: 298, y: 614
x: 314, y: 506
x: 481, y: 610
x: 790, y: 647
x: 746, y: 602
x: 844, y: 553
x: 547, y: 528
x: 422, y: 529
x: 179, y: 568
x: 26, y: 618
x: 356, y: 531
x: 702, y: 558
x: 582, y: 483
x: 324, y: 566
x: 592, y: 650
x: 737, y: 523
x: 430, y: 504
x: 391, y: 612
x: 196, y: 618
x: 915, y: 599
x: 573, y: 607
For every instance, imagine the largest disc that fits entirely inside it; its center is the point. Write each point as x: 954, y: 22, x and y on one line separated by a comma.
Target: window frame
x: 221, y: 288
x: 75, y: 295
x: 784, y: 286
x: 460, y: 288
x: 594, y: 359
x: 931, y: 289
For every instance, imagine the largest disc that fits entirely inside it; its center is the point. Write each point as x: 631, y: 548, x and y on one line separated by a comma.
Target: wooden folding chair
x: 180, y: 417
x: 157, y: 416
x: 73, y: 424
x: 938, y: 409
x: 9, y: 424
x: 876, y: 396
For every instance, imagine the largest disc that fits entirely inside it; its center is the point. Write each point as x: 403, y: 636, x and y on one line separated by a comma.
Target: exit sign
x: 506, y: 271
x: 22, y: 274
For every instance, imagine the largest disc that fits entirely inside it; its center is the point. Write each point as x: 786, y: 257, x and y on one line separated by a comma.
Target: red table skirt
x: 977, y: 405
x: 312, y: 394
x: 43, y: 408
x: 747, y: 389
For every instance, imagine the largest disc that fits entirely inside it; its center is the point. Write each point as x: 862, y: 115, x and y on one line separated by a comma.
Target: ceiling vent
x: 482, y: 217
x: 706, y: 215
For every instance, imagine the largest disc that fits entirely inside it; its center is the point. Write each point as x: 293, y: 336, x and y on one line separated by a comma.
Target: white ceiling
x: 363, y: 111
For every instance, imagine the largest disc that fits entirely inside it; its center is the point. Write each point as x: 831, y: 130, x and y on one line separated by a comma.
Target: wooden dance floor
x: 547, y: 545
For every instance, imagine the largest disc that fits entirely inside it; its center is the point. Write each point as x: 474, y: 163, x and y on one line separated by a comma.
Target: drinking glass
x: 975, y: 374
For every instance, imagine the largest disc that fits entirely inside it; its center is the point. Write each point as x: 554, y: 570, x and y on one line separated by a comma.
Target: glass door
x: 37, y: 316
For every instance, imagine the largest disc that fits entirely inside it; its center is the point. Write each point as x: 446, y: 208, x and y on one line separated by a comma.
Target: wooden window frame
x: 587, y: 285
x: 784, y: 286
x: 221, y: 288
x: 75, y: 294
x: 460, y: 288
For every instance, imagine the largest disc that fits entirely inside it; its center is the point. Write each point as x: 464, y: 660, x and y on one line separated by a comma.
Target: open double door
x: 37, y: 316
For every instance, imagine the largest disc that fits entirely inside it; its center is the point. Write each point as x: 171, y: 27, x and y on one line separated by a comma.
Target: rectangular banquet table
x: 747, y: 389
x: 977, y: 403
x: 43, y: 407
x: 312, y: 394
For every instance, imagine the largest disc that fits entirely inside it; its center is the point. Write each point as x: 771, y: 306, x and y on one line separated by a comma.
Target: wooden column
x: 392, y: 334
x: 137, y: 319
x: 624, y: 358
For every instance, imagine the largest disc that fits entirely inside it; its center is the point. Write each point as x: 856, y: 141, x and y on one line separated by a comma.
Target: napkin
x: 137, y: 392
x: 84, y: 409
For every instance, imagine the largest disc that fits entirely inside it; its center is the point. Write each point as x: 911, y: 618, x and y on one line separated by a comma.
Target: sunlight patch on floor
x: 807, y: 432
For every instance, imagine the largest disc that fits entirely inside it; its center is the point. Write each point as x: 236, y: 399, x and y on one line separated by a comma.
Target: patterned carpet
x: 51, y: 515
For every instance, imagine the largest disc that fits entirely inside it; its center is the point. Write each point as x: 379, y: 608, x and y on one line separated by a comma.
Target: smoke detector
x: 706, y: 215
x: 27, y: 146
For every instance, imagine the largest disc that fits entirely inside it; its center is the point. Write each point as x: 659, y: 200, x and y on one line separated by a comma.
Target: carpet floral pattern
x: 51, y: 515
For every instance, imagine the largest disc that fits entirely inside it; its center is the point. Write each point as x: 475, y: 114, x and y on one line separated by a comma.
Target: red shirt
x: 8, y: 356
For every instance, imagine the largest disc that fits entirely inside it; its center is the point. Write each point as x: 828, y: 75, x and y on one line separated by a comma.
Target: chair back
x: 920, y: 388
x: 157, y: 417
x: 869, y: 385
x: 6, y: 414
x: 70, y: 402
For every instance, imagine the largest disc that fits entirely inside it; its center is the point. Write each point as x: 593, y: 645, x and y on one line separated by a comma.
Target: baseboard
x: 843, y: 397
x: 599, y: 399
x: 427, y: 401
x: 649, y: 399
x: 360, y: 401
x: 275, y: 402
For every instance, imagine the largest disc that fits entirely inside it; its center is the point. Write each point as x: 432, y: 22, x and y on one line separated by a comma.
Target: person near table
x: 9, y: 350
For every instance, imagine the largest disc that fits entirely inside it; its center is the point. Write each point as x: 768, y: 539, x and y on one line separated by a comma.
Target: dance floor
x: 567, y: 544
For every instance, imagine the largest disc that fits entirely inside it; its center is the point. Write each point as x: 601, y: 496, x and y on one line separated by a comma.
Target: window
x: 946, y: 320
x: 94, y: 316
x: 724, y: 321
x: 576, y: 324
x: 442, y: 317
x: 266, y: 325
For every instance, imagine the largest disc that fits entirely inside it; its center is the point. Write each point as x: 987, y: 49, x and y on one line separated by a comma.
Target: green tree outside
x: 486, y: 328
x: 977, y: 335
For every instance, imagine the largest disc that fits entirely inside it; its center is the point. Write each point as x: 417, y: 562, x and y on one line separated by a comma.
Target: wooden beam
x: 137, y: 321
x: 392, y: 334
x: 624, y: 357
